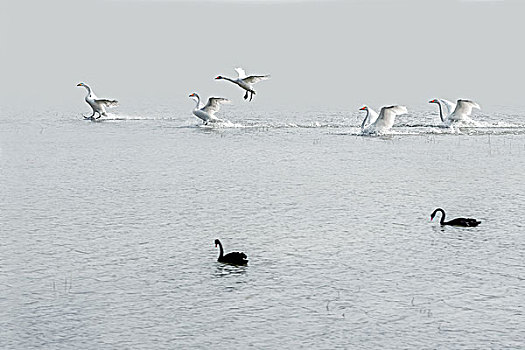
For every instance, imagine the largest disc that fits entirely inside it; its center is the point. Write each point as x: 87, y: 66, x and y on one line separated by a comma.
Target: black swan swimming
x: 465, y: 222
x: 234, y: 258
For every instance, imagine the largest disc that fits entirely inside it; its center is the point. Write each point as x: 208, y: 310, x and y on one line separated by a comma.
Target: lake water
x: 107, y: 231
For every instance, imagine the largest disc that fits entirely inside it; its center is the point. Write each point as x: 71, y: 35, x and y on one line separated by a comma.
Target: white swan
x: 245, y: 82
x: 385, y: 120
x: 207, y: 113
x: 371, y: 116
x: 454, y: 111
x: 97, y: 104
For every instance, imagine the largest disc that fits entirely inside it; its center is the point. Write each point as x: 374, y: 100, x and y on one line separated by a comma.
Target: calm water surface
x: 107, y: 232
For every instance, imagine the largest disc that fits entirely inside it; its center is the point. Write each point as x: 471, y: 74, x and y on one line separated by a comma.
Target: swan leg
x: 99, y: 115
x: 246, y: 95
x: 251, y: 95
x: 91, y: 116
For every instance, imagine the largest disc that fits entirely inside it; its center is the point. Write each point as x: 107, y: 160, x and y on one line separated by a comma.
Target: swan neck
x: 88, y: 89
x: 442, y: 119
x: 197, y: 107
x: 442, y: 216
x: 366, y: 118
x: 221, y: 251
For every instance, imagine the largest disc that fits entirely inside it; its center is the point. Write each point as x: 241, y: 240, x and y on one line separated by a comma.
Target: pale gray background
x: 330, y: 54
x: 107, y: 228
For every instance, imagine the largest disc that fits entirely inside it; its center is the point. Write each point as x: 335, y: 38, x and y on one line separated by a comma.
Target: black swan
x: 466, y: 222
x: 234, y: 258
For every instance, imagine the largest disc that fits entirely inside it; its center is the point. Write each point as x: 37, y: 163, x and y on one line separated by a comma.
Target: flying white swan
x: 245, y: 82
x: 385, y: 120
x: 454, y: 111
x: 97, y: 104
x: 207, y: 113
x: 371, y: 116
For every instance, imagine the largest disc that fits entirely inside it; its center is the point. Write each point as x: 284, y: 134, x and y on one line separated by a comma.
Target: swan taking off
x: 97, y: 104
x: 207, y: 113
x: 246, y: 82
x: 384, y: 121
x: 454, y: 111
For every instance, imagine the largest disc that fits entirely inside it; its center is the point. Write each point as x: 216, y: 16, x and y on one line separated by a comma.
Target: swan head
x: 435, y: 212
x: 219, y: 77
x: 364, y: 108
x: 194, y: 95
x: 217, y: 242
x: 86, y: 86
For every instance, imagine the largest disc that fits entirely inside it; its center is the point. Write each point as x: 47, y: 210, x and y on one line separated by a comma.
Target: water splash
x: 341, y: 123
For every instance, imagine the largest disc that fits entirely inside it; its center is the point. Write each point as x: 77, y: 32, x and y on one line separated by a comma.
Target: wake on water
x: 122, y: 117
x: 220, y: 124
x: 462, y: 127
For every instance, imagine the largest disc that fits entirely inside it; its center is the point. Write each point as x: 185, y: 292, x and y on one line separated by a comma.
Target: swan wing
x: 252, y: 79
x: 214, y: 104
x: 464, y: 108
x: 450, y: 106
x: 391, y: 111
x: 238, y: 257
x: 240, y: 72
x: 106, y: 103
x: 386, y: 117
x: 373, y: 115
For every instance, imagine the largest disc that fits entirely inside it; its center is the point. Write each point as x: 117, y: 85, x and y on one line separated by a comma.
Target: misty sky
x: 321, y: 54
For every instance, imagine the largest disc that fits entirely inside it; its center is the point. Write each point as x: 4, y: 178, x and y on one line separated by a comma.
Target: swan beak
x: 79, y: 84
x: 362, y: 108
x: 191, y: 95
x: 218, y: 77
x: 433, y: 101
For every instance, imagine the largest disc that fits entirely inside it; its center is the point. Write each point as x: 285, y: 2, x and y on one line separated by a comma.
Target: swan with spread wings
x: 207, y: 113
x: 98, y: 105
x: 384, y: 121
x: 245, y: 82
x: 452, y: 112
